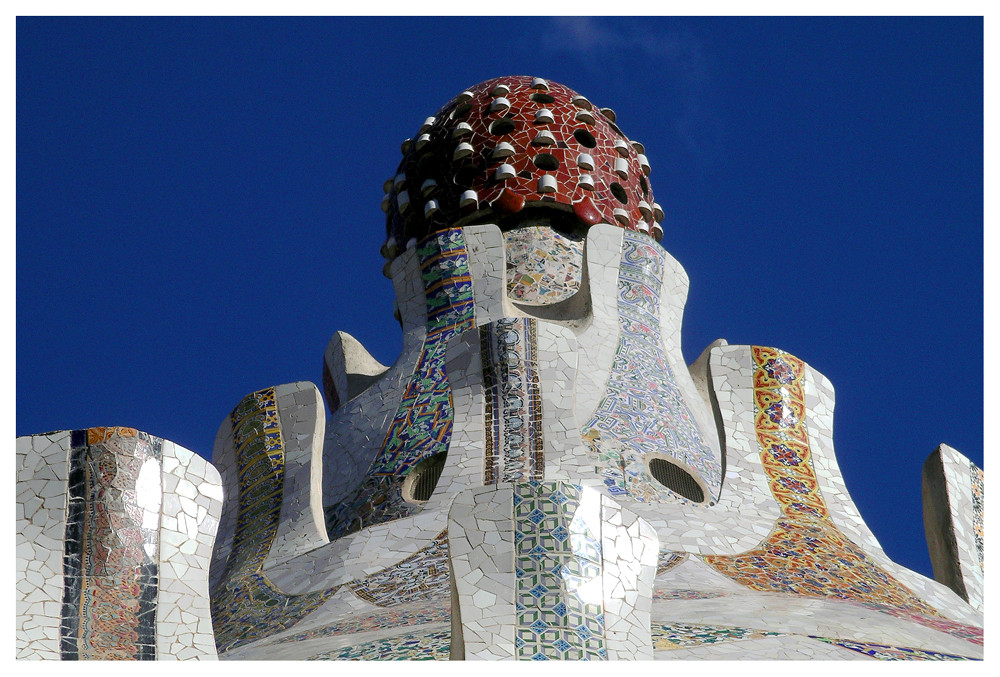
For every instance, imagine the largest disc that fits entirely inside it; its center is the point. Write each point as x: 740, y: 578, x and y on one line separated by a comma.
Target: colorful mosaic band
x: 668, y: 560
x: 111, y: 546
x: 672, y: 636
x: 421, y: 614
x: 433, y: 646
x: 245, y: 605
x: 424, y: 575
x: 660, y: 593
x: 513, y: 404
x: 557, y: 560
x: 969, y: 633
x: 894, y: 653
x: 805, y: 553
x: 643, y: 412
x: 422, y: 425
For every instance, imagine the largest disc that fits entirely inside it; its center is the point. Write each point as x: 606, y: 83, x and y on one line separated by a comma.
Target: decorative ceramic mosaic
x: 977, y: 509
x: 507, y: 196
x: 550, y: 571
x: 245, y: 605
x: 683, y: 635
x: 894, y: 653
x: 422, y: 425
x: 668, y: 559
x: 411, y: 616
x: 557, y: 561
x: 686, y: 594
x: 969, y: 633
x: 643, y: 411
x: 543, y: 265
x: 805, y: 553
x: 513, y: 405
x: 421, y: 576
x: 516, y: 141
x: 110, y: 578
x: 434, y: 646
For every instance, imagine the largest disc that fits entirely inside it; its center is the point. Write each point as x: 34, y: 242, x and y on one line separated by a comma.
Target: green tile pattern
x: 557, y: 555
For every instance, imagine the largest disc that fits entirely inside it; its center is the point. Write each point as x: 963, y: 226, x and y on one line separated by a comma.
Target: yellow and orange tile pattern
x: 805, y: 553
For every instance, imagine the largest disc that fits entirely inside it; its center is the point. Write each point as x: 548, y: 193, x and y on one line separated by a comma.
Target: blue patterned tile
x: 538, y: 591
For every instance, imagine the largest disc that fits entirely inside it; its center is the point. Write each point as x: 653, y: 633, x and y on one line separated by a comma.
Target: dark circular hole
x: 426, y: 475
x: 619, y: 193
x: 502, y: 126
x: 615, y: 127
x: 461, y: 111
x: 585, y: 138
x: 465, y: 176
x: 541, y: 97
x: 644, y: 186
x: 676, y: 479
x: 546, y: 161
x: 424, y: 164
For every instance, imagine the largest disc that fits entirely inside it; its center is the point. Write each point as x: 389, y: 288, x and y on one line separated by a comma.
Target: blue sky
x: 198, y: 207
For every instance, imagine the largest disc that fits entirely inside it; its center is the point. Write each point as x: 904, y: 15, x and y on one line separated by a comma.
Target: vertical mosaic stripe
x: 977, y: 510
x: 245, y: 605
x: 643, y: 411
x: 111, y: 545
x: 423, y: 423
x: 805, y: 553
x: 515, y: 450
x: 559, y: 599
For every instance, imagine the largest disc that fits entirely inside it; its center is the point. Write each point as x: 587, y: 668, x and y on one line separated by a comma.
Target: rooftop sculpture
x: 539, y: 475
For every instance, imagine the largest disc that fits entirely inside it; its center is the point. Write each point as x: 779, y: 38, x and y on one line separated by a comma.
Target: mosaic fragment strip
x: 558, y: 565
x: 686, y: 594
x: 668, y: 560
x: 111, y: 545
x: 970, y: 633
x: 894, y: 653
x: 411, y: 616
x: 423, y: 423
x: 433, y: 646
x: 543, y: 265
x: 670, y: 636
x: 977, y: 510
x: 423, y: 575
x: 805, y: 553
x: 514, y: 449
x: 246, y: 606
x: 643, y: 411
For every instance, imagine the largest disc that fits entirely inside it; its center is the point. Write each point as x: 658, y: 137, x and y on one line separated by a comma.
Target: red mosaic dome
x: 516, y: 142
